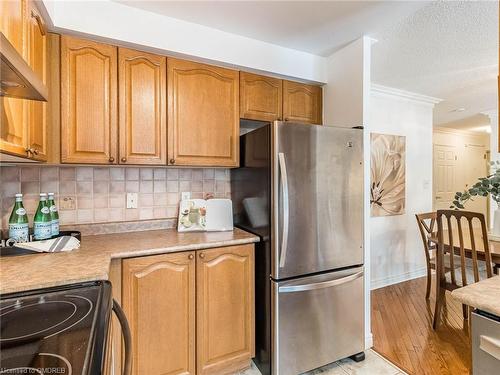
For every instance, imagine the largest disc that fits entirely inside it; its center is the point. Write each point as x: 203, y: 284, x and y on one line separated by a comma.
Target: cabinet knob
x: 111, y: 159
x: 123, y: 160
x: 191, y: 256
x: 202, y: 255
x: 172, y: 161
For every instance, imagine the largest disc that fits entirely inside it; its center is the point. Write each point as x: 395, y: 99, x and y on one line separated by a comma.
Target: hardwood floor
x: 402, y: 330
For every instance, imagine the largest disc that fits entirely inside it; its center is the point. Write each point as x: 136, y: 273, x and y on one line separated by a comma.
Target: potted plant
x: 489, y: 185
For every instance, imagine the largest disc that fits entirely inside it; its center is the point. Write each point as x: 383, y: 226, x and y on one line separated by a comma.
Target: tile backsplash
x: 98, y: 194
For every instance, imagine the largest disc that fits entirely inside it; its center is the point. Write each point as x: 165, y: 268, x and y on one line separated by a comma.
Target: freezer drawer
x: 317, y: 320
x: 485, y: 344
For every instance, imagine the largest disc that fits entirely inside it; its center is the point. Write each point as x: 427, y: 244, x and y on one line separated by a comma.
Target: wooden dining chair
x: 426, y: 223
x: 427, y: 226
x: 462, y: 242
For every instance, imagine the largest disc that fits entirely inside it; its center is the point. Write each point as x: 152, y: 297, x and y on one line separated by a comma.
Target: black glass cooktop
x: 55, y: 331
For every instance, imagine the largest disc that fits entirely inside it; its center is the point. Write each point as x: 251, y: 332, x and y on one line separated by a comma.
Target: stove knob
x: 41, y: 299
x: 17, y: 305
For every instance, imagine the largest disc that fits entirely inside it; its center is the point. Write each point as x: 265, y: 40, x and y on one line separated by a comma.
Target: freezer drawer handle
x: 286, y: 208
x: 321, y: 285
x: 490, y: 345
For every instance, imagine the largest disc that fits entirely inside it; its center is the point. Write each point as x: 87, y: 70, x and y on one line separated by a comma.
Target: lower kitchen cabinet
x: 190, y: 312
x: 224, y: 309
x: 159, y: 302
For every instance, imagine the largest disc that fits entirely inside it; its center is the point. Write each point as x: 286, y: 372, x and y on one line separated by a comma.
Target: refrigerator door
x: 317, y: 195
x: 317, y: 320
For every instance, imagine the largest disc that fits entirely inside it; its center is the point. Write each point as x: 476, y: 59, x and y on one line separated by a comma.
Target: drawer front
x: 485, y: 344
x: 317, y: 320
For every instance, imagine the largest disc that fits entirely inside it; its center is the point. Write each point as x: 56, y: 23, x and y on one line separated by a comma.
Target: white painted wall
x: 348, y: 74
x: 346, y: 102
x: 395, y: 244
x: 117, y: 23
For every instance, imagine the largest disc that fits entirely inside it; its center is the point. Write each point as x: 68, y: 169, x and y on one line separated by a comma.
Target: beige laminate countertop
x: 92, y: 260
x: 483, y: 295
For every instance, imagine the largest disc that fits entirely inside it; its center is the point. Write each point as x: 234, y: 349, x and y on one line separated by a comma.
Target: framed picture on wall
x: 388, y: 174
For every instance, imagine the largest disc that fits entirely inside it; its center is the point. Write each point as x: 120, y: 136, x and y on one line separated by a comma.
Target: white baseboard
x: 386, y: 281
x: 368, y: 341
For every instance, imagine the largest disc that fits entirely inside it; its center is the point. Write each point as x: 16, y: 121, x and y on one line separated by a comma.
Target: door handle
x: 286, y: 208
x: 490, y: 345
x: 127, y: 338
x: 320, y: 285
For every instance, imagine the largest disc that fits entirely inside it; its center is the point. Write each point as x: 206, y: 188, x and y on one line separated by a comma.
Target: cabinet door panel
x: 13, y: 112
x: 12, y: 23
x: 260, y: 97
x: 37, y: 58
x: 159, y: 301
x: 302, y: 103
x: 143, y: 108
x: 225, y: 309
x: 88, y: 102
x: 203, y: 114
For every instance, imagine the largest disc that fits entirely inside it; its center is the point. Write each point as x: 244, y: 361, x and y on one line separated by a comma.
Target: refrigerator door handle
x: 286, y: 208
x: 320, y: 285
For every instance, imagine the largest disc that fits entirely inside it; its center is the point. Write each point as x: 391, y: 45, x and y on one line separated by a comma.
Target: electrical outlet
x: 131, y: 200
x: 185, y: 195
x: 67, y: 203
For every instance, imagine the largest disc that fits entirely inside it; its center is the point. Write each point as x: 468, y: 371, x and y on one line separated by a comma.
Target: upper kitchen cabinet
x: 142, y: 107
x: 302, y: 103
x: 37, y: 59
x: 260, y: 97
x: 88, y: 102
x: 203, y: 114
x: 13, y: 23
x: 13, y: 112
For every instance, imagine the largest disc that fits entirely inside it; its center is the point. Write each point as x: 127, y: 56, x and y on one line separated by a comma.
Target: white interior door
x: 445, y: 176
x: 474, y: 168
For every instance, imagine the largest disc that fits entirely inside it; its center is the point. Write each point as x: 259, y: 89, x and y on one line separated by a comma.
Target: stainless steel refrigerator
x: 300, y: 188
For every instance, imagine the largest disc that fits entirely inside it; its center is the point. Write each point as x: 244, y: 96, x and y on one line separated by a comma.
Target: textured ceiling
x: 318, y: 27
x: 444, y: 49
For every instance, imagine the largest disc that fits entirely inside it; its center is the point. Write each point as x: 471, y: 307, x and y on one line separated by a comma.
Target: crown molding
x: 491, y: 113
x: 380, y: 90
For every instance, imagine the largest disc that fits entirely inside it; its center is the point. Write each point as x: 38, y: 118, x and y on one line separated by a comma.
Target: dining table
x: 494, y: 244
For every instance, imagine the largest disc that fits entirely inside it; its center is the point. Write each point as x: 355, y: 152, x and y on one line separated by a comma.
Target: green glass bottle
x: 42, y: 226
x: 54, y: 215
x: 18, y: 221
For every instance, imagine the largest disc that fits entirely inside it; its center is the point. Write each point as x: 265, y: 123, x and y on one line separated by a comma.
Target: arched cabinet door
x: 203, y: 114
x: 224, y: 309
x: 260, y: 97
x: 302, y: 103
x: 37, y: 58
x: 159, y: 302
x: 88, y: 102
x: 143, y: 107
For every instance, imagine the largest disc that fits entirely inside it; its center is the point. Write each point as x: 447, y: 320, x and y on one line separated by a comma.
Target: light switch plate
x: 185, y: 195
x: 131, y: 200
